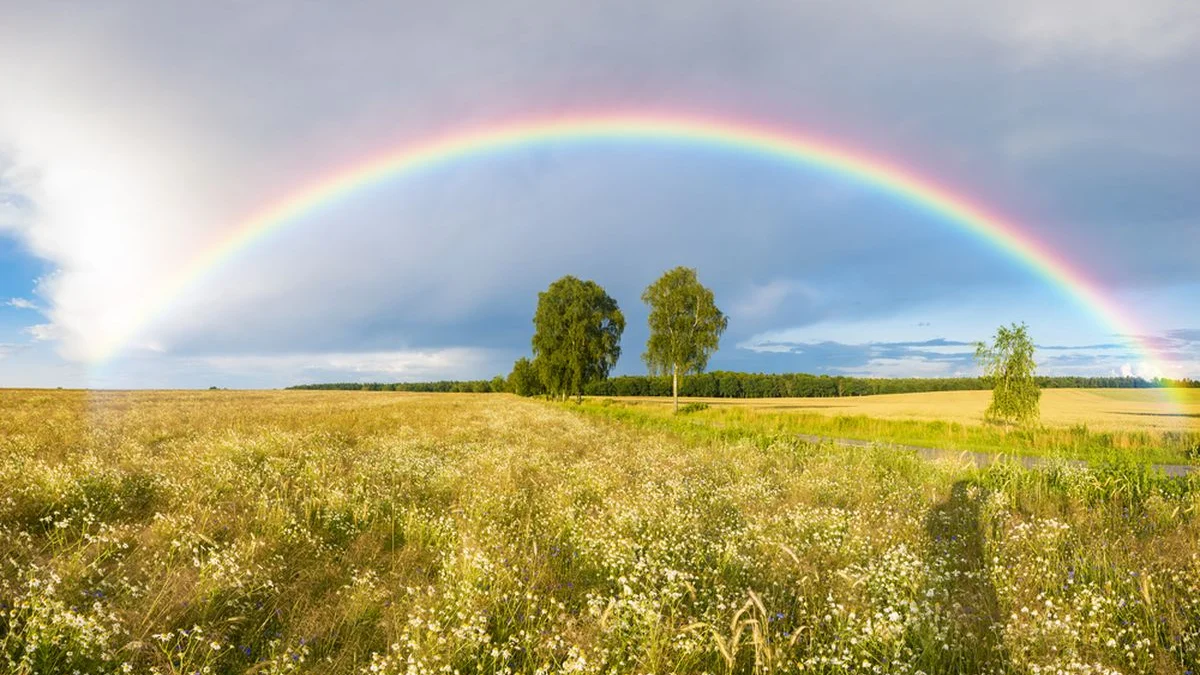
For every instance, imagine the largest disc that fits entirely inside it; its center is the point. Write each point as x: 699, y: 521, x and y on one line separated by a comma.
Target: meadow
x: 1139, y: 426
x: 378, y: 532
x: 1097, y: 409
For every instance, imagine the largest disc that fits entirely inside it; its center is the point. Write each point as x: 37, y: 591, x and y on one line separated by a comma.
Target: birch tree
x: 1009, y: 362
x: 685, y: 326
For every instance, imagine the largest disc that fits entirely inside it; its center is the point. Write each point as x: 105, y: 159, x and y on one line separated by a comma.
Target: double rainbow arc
x: 755, y: 139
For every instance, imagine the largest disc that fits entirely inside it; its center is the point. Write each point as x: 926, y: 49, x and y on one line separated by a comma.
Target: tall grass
x: 1076, y: 442
x: 338, y: 532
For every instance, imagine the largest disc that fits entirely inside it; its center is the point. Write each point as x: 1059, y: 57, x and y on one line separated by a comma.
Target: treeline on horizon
x: 729, y: 384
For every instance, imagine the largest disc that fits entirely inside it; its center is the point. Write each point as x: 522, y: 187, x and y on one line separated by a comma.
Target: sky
x: 136, y: 135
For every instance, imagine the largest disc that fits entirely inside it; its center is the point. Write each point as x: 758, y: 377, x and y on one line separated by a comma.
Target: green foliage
x: 438, y: 387
x: 577, y: 335
x: 725, y: 384
x: 693, y: 408
x: 524, y: 379
x: 768, y: 385
x: 1009, y: 362
x: 498, y: 384
x: 726, y: 423
x: 685, y: 325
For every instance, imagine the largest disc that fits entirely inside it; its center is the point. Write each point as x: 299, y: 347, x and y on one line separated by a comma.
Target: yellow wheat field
x: 1099, y: 409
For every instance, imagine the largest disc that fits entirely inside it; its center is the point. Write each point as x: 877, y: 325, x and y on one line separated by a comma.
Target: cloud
x: 912, y: 366
x: 1146, y: 31
x: 1105, y: 345
x: 286, y: 369
x: 881, y: 359
x: 21, y: 303
x: 944, y: 357
x: 138, y: 135
x: 1179, y: 338
x: 1189, y: 336
x: 44, y: 332
x: 402, y: 366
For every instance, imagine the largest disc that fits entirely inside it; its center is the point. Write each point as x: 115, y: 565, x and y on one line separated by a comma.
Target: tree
x: 1008, y: 361
x: 524, y: 380
x: 577, y: 335
x: 685, y: 326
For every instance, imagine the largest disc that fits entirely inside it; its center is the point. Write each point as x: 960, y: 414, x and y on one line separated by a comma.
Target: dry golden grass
x: 386, y: 534
x: 1099, y: 409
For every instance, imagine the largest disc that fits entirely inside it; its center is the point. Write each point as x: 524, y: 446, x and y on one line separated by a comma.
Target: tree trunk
x: 675, y: 385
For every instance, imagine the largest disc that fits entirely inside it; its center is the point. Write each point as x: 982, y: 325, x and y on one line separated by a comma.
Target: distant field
x: 380, y: 533
x: 1099, y: 409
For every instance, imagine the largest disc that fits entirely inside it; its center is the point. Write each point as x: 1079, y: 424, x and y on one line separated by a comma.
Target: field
x: 363, y: 532
x: 1099, y: 409
x: 1107, y: 426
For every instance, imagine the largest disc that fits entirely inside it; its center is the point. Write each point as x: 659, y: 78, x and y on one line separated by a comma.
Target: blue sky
x: 133, y: 135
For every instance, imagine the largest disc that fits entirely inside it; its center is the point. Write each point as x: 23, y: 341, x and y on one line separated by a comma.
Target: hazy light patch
x: 762, y: 301
x: 44, y: 332
x: 909, y: 367
x: 148, y: 369
x: 397, y: 365
x: 1148, y: 30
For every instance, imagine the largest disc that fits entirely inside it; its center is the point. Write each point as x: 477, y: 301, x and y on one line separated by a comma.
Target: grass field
x: 1111, y: 426
x: 1099, y: 409
x: 362, y: 532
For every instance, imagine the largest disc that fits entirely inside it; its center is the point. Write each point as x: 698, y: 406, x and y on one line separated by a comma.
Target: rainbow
x: 756, y: 139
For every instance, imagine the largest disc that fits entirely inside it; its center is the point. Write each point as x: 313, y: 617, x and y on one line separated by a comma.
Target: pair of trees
x: 578, y: 327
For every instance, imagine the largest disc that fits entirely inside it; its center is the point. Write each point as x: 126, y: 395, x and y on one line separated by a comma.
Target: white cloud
x: 905, y: 367
x: 115, y: 192
x: 21, y: 303
x: 401, y: 365
x: 44, y: 332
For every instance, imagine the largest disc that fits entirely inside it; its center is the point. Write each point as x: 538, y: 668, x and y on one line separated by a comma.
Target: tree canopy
x: 685, y: 326
x: 1009, y: 362
x: 577, y: 335
x: 524, y: 380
